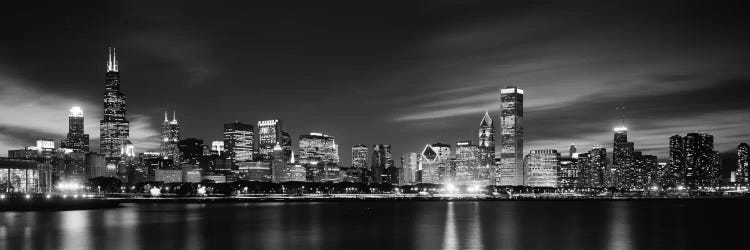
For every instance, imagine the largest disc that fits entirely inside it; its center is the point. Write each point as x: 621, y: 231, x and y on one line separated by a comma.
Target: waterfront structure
x: 701, y: 160
x: 380, y: 161
x: 269, y: 134
x: 510, y: 172
x: 255, y: 171
x: 238, y: 141
x: 114, y: 128
x: 743, y: 163
x: 96, y: 165
x: 359, y: 156
x: 318, y: 148
x: 169, y: 175
x: 486, y: 143
x: 19, y: 175
x: 467, y: 166
x: 191, y: 150
x: 434, y: 163
x: 170, y: 138
x: 76, y: 139
x: 279, y: 168
x: 541, y: 168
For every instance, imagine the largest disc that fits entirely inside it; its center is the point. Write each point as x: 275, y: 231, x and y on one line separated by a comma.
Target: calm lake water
x: 687, y: 224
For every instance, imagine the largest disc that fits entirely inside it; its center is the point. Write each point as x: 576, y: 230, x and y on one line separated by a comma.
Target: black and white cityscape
x: 375, y: 125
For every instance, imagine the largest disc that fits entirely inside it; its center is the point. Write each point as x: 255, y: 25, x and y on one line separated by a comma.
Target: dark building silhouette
x: 114, y: 128
x: 76, y: 139
x: 381, y: 159
x: 191, y: 150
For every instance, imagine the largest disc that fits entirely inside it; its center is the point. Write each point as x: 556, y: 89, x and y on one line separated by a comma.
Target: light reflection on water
x: 377, y: 225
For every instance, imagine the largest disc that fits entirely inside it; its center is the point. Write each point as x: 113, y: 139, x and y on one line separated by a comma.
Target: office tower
x: 217, y: 147
x: 676, y: 171
x: 572, y: 151
x: 649, y: 167
x: 269, y: 134
x: 541, y: 168
x: 286, y: 145
x: 467, y: 167
x: 238, y: 141
x: 317, y: 148
x: 568, y: 174
x: 380, y: 161
x: 434, y: 161
x: 743, y: 161
x: 114, y: 128
x: 701, y: 160
x: 359, y: 156
x: 409, y: 167
x: 76, y: 140
x: 170, y: 137
x: 279, y: 170
x: 625, y: 175
x: 511, y: 170
x: 486, y: 141
x: 594, y: 167
x: 191, y: 150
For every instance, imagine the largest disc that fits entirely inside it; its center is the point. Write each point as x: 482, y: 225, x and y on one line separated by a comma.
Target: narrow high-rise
x: 360, y: 152
x: 170, y: 138
x: 114, y: 128
x: 380, y: 161
x: 486, y: 144
x: 743, y: 161
x: 76, y: 139
x: 510, y: 172
x: 238, y: 141
x: 269, y: 135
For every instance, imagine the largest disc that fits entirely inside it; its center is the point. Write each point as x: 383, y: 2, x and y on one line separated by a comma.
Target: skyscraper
x: 486, y: 141
x: 433, y: 162
x: 380, y: 161
x: 114, y: 128
x: 359, y: 156
x: 572, y: 151
x: 623, y: 159
x: 269, y: 134
x: 409, y: 167
x: 286, y: 145
x: 238, y: 141
x: 743, y: 161
x: 676, y: 169
x: 541, y: 168
x: 76, y: 140
x: 511, y: 169
x: 170, y: 138
x: 701, y: 160
x: 467, y: 164
x: 318, y: 148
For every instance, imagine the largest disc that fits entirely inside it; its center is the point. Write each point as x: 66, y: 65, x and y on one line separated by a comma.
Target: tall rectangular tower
x: 114, y: 128
x: 76, y: 140
x: 269, y: 134
x: 238, y: 141
x: 511, y: 170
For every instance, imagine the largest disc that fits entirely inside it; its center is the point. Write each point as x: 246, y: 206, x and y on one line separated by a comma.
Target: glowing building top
x: 76, y: 112
x: 112, y: 60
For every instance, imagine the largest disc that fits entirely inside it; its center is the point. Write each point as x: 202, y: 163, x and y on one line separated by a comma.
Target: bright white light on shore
x: 68, y: 186
x: 201, y: 191
x: 450, y: 188
x: 28, y: 196
x: 680, y: 187
x: 65, y: 196
x: 49, y: 196
x: 475, y: 188
x: 75, y: 196
x: 155, y: 191
x: 2, y: 196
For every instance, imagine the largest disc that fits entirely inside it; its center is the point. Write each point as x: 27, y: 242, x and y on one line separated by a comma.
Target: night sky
x: 404, y: 73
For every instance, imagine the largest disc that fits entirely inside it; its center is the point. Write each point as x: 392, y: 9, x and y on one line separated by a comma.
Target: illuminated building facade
x: 743, y: 162
x: 593, y: 167
x: 568, y: 175
x: 76, y: 139
x: 380, y: 161
x: 434, y: 163
x: 409, y: 167
x: 701, y: 160
x: 676, y: 171
x: 114, y: 128
x: 467, y: 168
x: 238, y: 141
x: 626, y: 175
x: 541, y: 168
x: 511, y: 169
x: 360, y: 153
x: 19, y: 175
x: 486, y: 141
x: 170, y: 139
x: 318, y: 148
x: 269, y: 134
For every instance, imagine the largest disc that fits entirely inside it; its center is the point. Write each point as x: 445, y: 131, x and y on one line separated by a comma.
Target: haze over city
x: 371, y: 72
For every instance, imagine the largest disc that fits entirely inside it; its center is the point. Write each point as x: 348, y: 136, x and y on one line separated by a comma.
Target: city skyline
x: 666, y: 91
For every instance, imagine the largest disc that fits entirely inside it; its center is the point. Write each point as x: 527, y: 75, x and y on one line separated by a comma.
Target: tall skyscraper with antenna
x: 114, y: 128
x: 511, y: 172
x: 170, y: 138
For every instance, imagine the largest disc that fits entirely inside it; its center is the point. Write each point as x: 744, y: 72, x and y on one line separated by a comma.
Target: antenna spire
x: 174, y: 116
x: 165, y: 116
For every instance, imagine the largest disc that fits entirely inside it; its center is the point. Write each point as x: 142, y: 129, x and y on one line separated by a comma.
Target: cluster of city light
x: 69, y: 186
